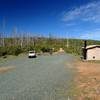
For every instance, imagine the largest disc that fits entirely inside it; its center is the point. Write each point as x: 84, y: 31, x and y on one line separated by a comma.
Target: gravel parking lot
x: 43, y: 78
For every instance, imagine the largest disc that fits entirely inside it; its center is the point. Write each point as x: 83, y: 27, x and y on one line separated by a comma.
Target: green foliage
x: 3, y: 51
x: 14, y: 50
x: 45, y: 49
x: 29, y: 47
x: 45, y: 45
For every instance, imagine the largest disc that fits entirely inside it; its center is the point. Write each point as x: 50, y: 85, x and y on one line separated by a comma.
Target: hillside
x: 15, y: 46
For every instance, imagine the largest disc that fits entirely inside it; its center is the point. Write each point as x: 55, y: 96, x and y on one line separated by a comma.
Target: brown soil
x: 6, y: 69
x: 88, y: 80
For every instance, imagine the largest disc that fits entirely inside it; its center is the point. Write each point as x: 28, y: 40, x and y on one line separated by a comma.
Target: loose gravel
x: 42, y: 78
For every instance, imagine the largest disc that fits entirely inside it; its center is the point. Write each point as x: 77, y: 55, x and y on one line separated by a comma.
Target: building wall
x: 93, y: 54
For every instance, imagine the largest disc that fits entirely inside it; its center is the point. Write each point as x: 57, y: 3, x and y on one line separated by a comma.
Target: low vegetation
x: 14, y: 46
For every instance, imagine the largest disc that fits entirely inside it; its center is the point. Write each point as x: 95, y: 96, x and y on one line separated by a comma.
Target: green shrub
x: 29, y: 47
x: 17, y: 51
x: 45, y: 49
x: 14, y: 50
x: 3, y: 51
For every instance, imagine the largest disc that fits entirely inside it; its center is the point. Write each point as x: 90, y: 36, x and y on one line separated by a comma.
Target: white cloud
x: 95, y: 35
x: 70, y: 24
x: 88, y: 12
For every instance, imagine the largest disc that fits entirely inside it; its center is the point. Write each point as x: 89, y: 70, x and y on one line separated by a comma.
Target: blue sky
x: 61, y: 18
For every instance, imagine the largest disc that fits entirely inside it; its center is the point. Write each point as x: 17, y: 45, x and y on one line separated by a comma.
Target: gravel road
x: 43, y: 78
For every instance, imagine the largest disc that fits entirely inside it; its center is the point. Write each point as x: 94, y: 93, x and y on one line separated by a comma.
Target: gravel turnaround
x: 42, y: 78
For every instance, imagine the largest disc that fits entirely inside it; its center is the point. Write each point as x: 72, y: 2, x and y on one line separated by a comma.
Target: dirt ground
x: 88, y: 80
x: 6, y: 69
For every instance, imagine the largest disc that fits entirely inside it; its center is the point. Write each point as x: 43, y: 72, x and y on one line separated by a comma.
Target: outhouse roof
x: 91, y: 46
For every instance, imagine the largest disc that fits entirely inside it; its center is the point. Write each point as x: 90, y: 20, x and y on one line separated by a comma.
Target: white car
x: 32, y: 54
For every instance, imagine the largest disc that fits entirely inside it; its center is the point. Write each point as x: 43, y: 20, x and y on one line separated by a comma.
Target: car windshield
x: 31, y: 52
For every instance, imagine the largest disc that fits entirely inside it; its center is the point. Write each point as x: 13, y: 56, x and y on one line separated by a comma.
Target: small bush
x: 17, y: 51
x: 44, y: 49
x: 14, y: 50
x: 30, y: 47
x: 3, y: 51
